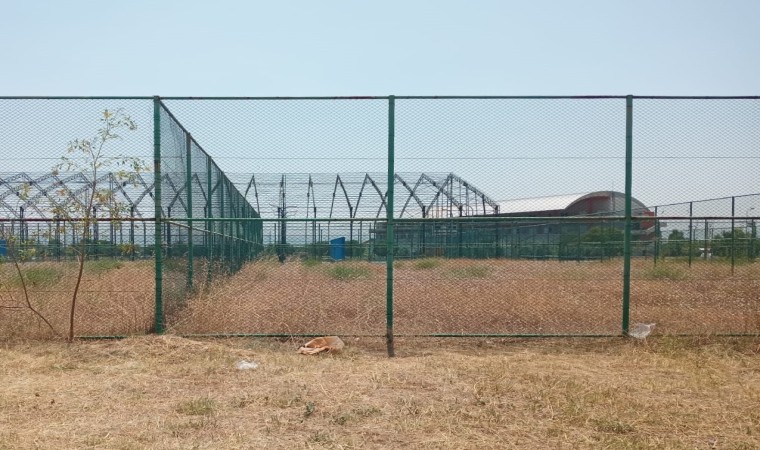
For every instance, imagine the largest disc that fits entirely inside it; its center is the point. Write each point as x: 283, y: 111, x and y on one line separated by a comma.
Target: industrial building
x: 576, y: 226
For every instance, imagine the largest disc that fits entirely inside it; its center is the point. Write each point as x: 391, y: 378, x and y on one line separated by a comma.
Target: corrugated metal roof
x: 551, y: 203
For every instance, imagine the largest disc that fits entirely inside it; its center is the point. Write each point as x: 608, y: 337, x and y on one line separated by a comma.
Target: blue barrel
x: 338, y: 249
x: 3, y: 248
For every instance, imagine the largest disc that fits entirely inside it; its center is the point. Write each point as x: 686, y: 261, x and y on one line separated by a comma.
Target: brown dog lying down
x: 329, y: 344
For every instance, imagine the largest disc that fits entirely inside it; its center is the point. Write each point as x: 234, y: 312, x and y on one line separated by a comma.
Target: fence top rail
x: 706, y: 200
x: 697, y: 97
x: 91, y: 220
x: 76, y: 97
x: 373, y: 219
x: 439, y: 219
x: 475, y: 97
x: 385, y: 97
x: 408, y: 97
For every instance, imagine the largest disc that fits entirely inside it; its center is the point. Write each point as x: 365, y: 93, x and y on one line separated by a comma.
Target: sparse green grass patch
x: 311, y: 262
x: 39, y: 276
x: 201, y: 406
x: 309, y: 409
x: 665, y: 272
x: 347, y: 272
x: 102, y: 265
x: 427, y: 263
x: 612, y: 426
x: 320, y: 437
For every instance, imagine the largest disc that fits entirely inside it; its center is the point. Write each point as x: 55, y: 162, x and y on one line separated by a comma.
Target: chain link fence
x: 443, y: 216
x: 59, y: 215
x: 196, y: 256
x: 705, y: 279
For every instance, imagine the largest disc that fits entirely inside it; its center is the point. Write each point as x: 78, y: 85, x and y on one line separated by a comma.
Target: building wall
x: 540, y: 239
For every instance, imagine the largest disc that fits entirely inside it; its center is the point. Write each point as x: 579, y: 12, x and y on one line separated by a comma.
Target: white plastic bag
x: 246, y: 365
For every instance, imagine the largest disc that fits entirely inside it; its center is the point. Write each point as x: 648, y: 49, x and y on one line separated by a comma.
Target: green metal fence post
x: 733, y: 234
x: 691, y: 230
x: 189, y: 189
x: 389, y: 241
x: 223, y: 226
x: 656, y: 237
x: 238, y: 233
x: 752, y: 236
x: 159, y: 313
x: 497, y: 226
x: 210, y: 227
x: 132, y: 232
x: 627, y: 236
x: 459, y: 239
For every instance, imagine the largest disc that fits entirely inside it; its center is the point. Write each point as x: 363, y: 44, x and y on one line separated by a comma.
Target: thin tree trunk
x: 26, y: 295
x: 74, y: 296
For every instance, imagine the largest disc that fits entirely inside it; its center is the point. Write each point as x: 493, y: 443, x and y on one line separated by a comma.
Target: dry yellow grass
x: 116, y: 298
x: 164, y: 392
x: 477, y: 296
x: 430, y: 296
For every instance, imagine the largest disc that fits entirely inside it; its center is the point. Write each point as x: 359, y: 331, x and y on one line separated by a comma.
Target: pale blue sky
x: 682, y: 150
x: 322, y: 47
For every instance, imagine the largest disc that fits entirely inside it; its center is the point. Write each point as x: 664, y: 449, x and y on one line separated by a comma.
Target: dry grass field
x: 431, y: 296
x: 116, y: 298
x: 476, y: 296
x: 168, y: 392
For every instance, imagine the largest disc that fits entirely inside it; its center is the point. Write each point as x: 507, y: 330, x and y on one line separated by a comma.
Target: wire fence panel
x: 322, y: 288
x: 379, y: 215
x: 704, y: 278
x: 39, y: 273
x: 297, y: 164
x: 519, y: 161
x: 197, y: 255
x: 61, y: 204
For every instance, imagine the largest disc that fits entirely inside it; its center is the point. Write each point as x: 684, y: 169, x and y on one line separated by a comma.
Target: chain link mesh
x: 509, y: 216
x: 312, y: 170
x: 40, y: 246
x: 511, y: 274
x: 705, y: 277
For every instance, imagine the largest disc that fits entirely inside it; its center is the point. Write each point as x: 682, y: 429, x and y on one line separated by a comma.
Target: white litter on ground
x: 246, y: 365
x: 641, y: 330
